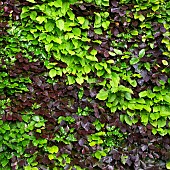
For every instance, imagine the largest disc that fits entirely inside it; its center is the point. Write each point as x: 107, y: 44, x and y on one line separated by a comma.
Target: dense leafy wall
x: 84, y: 84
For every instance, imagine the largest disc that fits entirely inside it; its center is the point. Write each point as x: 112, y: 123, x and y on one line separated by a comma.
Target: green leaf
x: 125, y: 89
x: 98, y: 66
x: 97, y: 22
x: 4, y: 162
x: 161, y: 123
x: 93, y: 143
x: 154, y: 131
x: 124, y: 159
x: 147, y: 66
x: 33, y: 15
x: 41, y: 19
x: 141, y: 53
x: 111, y: 97
x: 128, y: 120
x: 51, y: 156
x: 48, y: 47
x: 105, y: 25
x: 141, y: 17
x: 110, y: 61
x: 154, y: 116
x: 65, y: 8
x: 93, y: 52
x: 81, y: 20
x: 32, y: 1
x: 165, y: 62
x: 71, y: 15
x: 103, y: 153
x: 71, y: 80
x: 118, y: 52
x: 80, y: 80
x: 164, y: 111
x: 168, y: 165
x: 36, y: 118
x: 34, y: 168
x: 134, y: 32
x: 102, y: 95
x: 52, y: 73
x: 49, y: 26
x: 128, y: 96
x: 76, y: 31
x: 6, y: 126
x: 155, y: 8
x: 60, y: 24
x: 144, y: 118
x: 98, y: 31
x: 87, y: 69
x: 91, y: 58
x: 53, y: 149
x: 58, y: 3
x: 98, y: 155
x: 166, y: 98
x: 147, y: 108
x: 57, y: 40
x: 134, y: 60
x: 27, y: 168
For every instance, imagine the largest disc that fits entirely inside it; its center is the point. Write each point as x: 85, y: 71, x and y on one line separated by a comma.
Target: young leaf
x: 161, y: 123
x: 141, y: 17
x: 128, y: 96
x: 60, y: 24
x: 4, y: 162
x: 81, y: 20
x: 58, y: 3
x: 105, y: 25
x: 111, y: 97
x: 76, y: 31
x: 49, y: 26
x: 141, y: 53
x: 52, y: 73
x: 48, y: 47
x: 134, y: 32
x: 98, y: 155
x: 32, y: 1
x: 53, y: 149
x: 128, y: 120
x: 93, y: 143
x: 134, y: 60
x: 168, y: 165
x: 118, y: 52
x: 71, y: 80
x: 155, y: 7
x: 41, y: 19
x: 33, y: 15
x: 51, y: 156
x: 165, y: 62
x: 80, y: 80
x: 102, y: 95
x: 147, y: 66
x: 98, y: 31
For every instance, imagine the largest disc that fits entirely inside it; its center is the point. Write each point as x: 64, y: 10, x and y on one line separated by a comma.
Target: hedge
x: 84, y: 84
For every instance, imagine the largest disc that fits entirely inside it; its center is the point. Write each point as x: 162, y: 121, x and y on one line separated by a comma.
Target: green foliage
x: 168, y: 165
